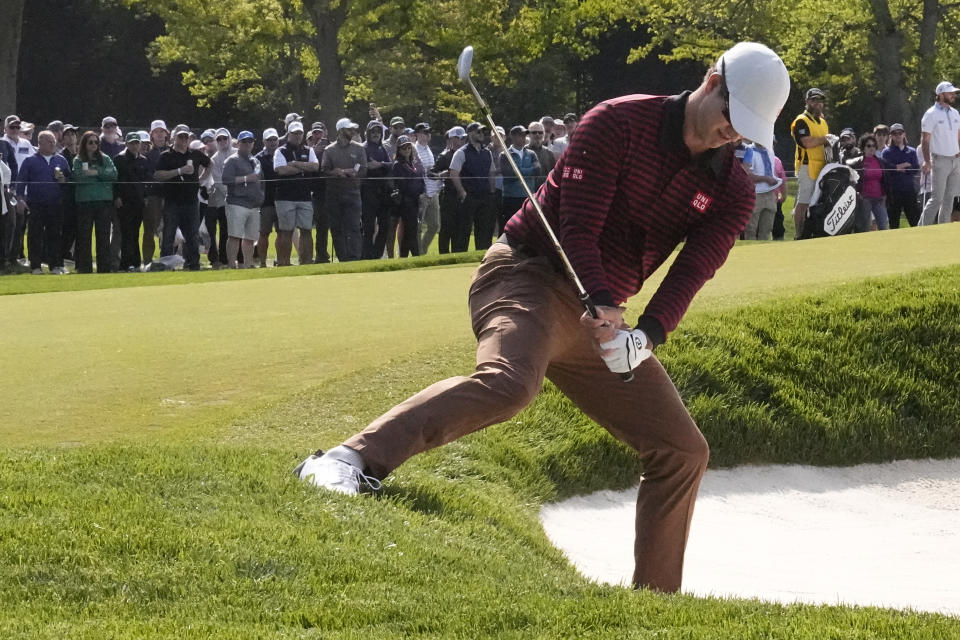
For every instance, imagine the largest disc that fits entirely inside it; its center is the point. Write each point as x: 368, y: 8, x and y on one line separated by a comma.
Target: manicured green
x: 181, y: 519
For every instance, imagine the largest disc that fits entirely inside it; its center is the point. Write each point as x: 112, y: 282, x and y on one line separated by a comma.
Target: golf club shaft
x: 581, y: 291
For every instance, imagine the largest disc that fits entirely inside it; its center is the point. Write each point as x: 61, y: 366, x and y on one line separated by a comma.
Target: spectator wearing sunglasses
x: 94, y: 174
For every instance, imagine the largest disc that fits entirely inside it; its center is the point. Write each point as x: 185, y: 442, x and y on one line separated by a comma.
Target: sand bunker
x: 880, y: 535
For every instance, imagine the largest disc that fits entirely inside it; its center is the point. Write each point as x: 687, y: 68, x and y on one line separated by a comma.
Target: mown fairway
x: 191, y: 401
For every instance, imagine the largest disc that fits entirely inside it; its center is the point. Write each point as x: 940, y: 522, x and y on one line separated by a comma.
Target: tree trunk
x: 927, y: 55
x: 328, y: 90
x: 10, y: 29
x: 888, y: 57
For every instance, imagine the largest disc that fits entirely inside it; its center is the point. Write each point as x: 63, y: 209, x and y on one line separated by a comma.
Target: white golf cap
x: 295, y: 127
x: 457, y: 132
x: 144, y: 136
x: 270, y: 133
x: 946, y: 87
x: 222, y: 132
x: 759, y: 84
x: 158, y: 124
x: 346, y: 123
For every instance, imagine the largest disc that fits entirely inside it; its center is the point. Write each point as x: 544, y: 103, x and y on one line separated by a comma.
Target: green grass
x: 182, y: 519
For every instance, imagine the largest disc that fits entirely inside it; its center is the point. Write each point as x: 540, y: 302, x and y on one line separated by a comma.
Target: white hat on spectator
x: 295, y: 126
x: 758, y: 84
x: 158, y: 124
x: 270, y: 133
x: 290, y: 117
x: 108, y: 121
x: 946, y: 87
x: 222, y: 132
x: 346, y: 123
x: 144, y: 136
x: 196, y: 145
x: 457, y: 132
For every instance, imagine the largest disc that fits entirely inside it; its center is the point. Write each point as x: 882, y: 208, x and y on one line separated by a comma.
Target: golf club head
x: 464, y: 64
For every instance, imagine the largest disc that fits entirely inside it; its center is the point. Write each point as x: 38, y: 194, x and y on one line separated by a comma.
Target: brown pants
x: 526, y: 319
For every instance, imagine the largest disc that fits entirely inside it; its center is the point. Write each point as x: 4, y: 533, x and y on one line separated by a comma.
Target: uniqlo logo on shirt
x: 701, y: 202
x: 573, y: 173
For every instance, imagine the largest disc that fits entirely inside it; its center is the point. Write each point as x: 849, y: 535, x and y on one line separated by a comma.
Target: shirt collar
x: 942, y: 107
x: 671, y: 134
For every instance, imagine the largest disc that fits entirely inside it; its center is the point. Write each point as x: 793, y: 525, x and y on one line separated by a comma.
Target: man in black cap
x: 473, y: 177
x: 846, y: 148
x: 182, y: 169
x: 812, y: 135
x: 321, y: 220
x: 129, y: 198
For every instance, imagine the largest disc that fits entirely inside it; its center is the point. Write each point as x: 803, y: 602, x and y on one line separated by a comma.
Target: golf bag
x: 833, y: 205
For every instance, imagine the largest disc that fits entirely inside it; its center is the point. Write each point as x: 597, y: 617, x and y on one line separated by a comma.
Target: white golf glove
x: 626, y: 351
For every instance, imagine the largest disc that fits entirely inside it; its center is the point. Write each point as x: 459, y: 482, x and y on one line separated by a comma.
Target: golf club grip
x: 592, y: 310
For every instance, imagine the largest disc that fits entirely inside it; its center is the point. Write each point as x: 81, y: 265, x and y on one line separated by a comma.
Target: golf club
x: 463, y: 70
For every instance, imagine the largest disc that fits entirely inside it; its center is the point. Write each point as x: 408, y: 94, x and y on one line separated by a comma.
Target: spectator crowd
x: 109, y: 201
x: 382, y: 190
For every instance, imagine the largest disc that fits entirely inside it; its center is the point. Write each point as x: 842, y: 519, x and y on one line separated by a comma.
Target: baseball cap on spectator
x: 181, y: 129
x: 318, y: 126
x: 109, y: 121
x: 815, y: 93
x: 395, y: 120
x: 11, y: 121
x: 208, y: 133
x: 70, y: 127
x: 244, y: 135
x: 758, y: 84
x: 946, y: 87
x: 501, y: 130
x: 158, y: 124
x: 290, y: 117
x: 546, y: 120
x: 295, y: 126
x: 56, y: 125
x: 518, y: 128
x: 570, y: 117
x: 896, y: 126
x: 270, y: 133
x: 422, y: 126
x: 408, y: 131
x: 456, y: 132
x: 26, y: 127
x: 346, y: 123
x: 222, y: 133
x: 133, y: 136
x: 196, y: 145
x: 144, y: 136
x: 475, y: 126
x: 848, y: 132
x: 402, y: 140
x: 374, y: 124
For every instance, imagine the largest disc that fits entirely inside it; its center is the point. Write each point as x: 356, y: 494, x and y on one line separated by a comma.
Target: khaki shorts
x: 243, y: 222
x: 804, y: 185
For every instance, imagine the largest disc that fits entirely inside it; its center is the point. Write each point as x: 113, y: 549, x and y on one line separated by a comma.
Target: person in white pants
x: 940, y: 127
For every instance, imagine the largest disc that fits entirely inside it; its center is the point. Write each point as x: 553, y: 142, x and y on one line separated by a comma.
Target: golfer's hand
x: 606, y: 326
x: 625, y: 351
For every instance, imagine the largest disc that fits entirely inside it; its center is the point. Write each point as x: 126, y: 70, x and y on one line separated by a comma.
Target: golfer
x: 619, y: 212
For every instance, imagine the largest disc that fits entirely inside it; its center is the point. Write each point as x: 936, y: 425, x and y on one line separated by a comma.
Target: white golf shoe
x: 340, y: 470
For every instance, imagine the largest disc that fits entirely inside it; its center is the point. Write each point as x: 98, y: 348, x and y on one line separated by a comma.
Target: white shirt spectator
x: 280, y: 161
x: 559, y: 146
x: 942, y: 122
x: 758, y: 167
x: 23, y: 147
x: 432, y: 185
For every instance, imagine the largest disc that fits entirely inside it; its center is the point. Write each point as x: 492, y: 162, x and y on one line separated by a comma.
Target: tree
x: 877, y: 59
x: 10, y: 30
x: 335, y: 56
